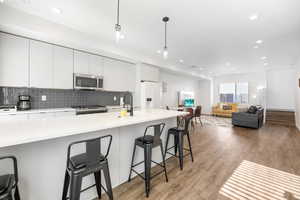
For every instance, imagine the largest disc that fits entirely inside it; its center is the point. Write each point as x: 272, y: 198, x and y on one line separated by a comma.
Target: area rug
x: 216, y: 121
x: 251, y: 181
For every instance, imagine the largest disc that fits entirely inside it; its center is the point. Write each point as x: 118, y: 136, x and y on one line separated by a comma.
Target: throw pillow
x: 227, y: 107
x: 252, y: 110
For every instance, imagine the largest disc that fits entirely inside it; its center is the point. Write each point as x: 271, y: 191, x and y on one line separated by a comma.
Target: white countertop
x: 33, y: 111
x: 26, y: 131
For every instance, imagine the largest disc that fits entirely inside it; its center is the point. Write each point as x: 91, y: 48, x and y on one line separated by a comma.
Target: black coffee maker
x: 24, y: 102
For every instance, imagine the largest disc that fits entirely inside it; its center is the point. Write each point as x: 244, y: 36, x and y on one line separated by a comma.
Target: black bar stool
x: 81, y: 165
x: 179, y: 133
x: 148, y: 142
x: 9, y: 182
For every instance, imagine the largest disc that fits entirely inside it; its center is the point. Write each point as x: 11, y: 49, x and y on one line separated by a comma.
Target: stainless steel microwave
x: 87, y: 82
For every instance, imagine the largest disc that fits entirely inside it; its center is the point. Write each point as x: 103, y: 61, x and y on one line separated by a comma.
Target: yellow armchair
x: 224, y: 109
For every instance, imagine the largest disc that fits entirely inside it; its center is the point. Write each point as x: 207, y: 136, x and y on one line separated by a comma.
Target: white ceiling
x: 204, y: 33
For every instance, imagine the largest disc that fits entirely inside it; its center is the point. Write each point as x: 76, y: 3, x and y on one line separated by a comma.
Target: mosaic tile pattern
x: 58, y: 98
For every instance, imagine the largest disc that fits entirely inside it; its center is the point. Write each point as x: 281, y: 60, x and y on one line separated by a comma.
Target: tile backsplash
x: 57, y: 98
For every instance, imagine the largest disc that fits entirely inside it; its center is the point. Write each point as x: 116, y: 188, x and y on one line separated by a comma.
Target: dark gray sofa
x: 245, y: 119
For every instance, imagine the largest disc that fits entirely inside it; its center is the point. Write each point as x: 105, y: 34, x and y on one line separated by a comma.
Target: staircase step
x: 280, y: 117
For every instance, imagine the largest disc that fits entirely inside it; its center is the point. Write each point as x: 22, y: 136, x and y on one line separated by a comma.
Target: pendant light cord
x: 165, y: 34
x: 118, y: 13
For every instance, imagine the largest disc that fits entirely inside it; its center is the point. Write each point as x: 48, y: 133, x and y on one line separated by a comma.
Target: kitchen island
x: 41, y: 147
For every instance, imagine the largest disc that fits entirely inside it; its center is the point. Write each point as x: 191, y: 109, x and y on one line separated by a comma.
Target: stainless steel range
x: 90, y: 109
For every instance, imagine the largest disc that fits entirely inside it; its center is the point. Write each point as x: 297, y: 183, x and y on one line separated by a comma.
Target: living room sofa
x: 224, y: 109
x: 250, y: 120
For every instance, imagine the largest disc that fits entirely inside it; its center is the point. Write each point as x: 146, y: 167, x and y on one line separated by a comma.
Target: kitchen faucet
x: 131, y: 102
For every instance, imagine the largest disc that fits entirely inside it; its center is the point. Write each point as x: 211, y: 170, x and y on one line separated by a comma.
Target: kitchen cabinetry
x: 85, y: 63
x: 81, y: 62
x: 148, y: 73
x: 41, y: 65
x: 50, y: 66
x: 14, y: 59
x: 62, y: 68
x: 96, y: 65
x: 119, y: 76
x: 31, y: 63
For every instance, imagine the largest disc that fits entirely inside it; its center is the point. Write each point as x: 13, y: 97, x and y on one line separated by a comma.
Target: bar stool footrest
x: 178, y: 156
x: 89, y: 187
x: 162, y: 166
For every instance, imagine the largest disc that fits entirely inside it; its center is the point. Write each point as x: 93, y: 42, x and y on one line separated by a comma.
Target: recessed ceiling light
x: 255, y: 47
x: 266, y: 64
x: 263, y: 58
x: 57, y: 10
x: 253, y: 17
x: 181, y: 61
x: 259, y: 42
x: 1, y: 1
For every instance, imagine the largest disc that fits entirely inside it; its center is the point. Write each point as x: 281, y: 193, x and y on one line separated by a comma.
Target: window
x: 227, y: 92
x: 242, y: 92
x: 233, y: 92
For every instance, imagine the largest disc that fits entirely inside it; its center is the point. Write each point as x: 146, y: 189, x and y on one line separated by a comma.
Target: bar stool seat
x: 148, y: 139
x: 80, y: 161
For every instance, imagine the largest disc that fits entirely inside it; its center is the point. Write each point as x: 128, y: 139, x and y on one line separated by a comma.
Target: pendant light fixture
x: 118, y: 26
x: 165, y: 50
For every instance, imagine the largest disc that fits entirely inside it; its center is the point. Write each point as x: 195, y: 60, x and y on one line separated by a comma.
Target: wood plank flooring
x: 218, y: 151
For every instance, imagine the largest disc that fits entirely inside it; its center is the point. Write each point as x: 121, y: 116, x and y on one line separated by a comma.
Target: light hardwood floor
x: 217, y: 152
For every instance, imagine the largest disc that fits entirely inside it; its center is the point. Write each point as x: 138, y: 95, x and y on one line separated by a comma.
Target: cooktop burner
x: 89, y: 109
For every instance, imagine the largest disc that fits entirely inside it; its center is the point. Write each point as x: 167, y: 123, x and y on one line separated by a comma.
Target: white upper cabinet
x: 14, y: 59
x: 85, y: 63
x: 62, y: 68
x: 96, y: 65
x: 41, y: 65
x: 148, y: 73
x: 81, y: 62
x: 119, y: 76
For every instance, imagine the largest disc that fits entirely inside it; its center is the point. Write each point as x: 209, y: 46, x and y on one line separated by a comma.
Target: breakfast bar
x: 41, y: 147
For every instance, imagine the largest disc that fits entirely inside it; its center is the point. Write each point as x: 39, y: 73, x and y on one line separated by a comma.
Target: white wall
x: 255, y: 80
x: 280, y: 89
x: 297, y: 94
x: 176, y: 83
x: 205, y: 96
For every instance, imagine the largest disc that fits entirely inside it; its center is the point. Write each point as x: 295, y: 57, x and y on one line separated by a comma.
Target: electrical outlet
x: 44, y: 98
